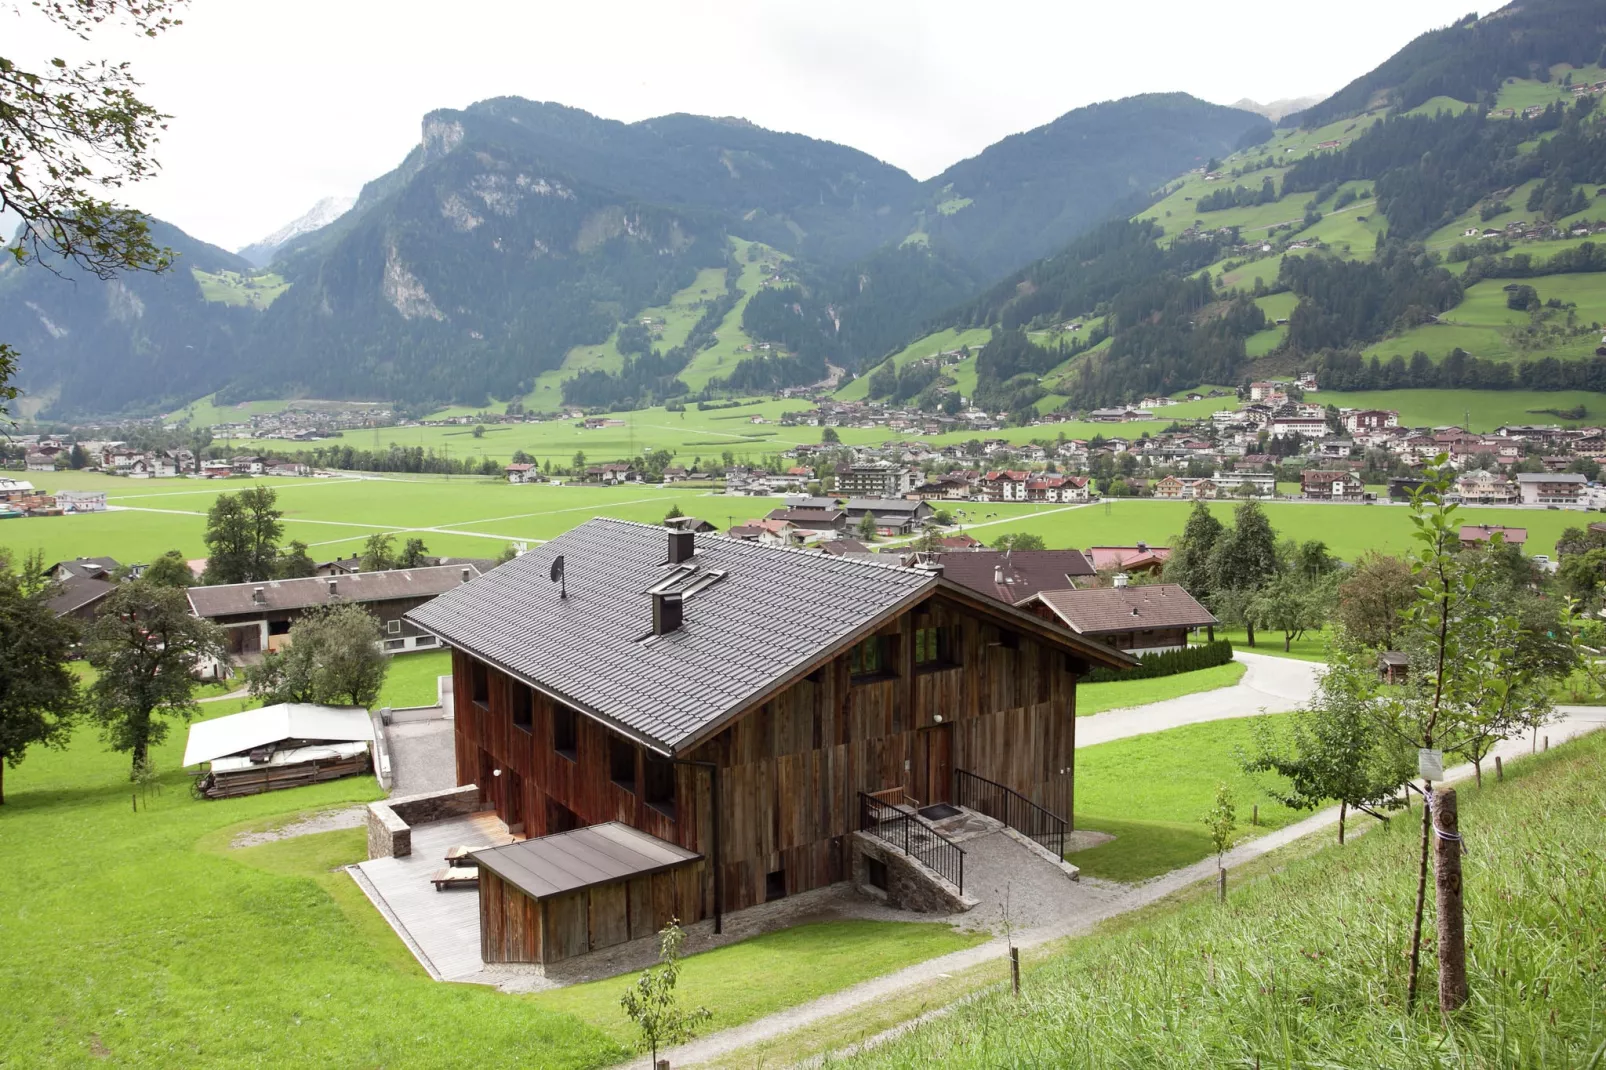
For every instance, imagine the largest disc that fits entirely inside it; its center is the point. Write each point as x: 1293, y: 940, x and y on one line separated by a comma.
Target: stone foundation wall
x: 390, y: 833
x: 910, y: 885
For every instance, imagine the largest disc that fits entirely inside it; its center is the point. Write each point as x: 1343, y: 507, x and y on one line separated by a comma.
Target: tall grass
x: 1306, y: 966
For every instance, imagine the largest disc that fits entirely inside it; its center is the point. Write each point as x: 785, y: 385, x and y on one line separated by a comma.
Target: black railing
x: 914, y: 836
x: 1012, y: 808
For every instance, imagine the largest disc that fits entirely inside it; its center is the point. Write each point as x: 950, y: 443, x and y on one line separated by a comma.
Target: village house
x: 1480, y: 487
x: 1473, y: 535
x: 257, y: 617
x: 524, y: 473
x: 1129, y: 559
x: 723, y: 710
x: 614, y: 473
x: 893, y: 516
x: 830, y: 521
x: 79, y: 586
x: 1551, y: 488
x: 1012, y: 576
x: 1150, y: 619
x: 1332, y: 486
x: 1229, y: 484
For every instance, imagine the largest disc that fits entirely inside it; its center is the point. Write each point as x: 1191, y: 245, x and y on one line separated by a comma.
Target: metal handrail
x: 1012, y: 808
x: 914, y: 836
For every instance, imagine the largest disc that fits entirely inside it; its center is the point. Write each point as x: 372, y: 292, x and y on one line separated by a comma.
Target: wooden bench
x: 456, y: 877
x: 459, y: 855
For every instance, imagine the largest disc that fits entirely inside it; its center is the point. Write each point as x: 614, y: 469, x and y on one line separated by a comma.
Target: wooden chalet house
x: 731, y: 701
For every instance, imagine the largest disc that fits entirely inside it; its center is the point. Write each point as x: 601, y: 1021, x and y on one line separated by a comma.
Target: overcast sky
x: 276, y: 105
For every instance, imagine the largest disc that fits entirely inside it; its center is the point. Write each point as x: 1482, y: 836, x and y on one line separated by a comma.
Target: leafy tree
x: 479, y: 431
x: 1333, y: 748
x: 170, y: 570
x: 414, y: 554
x: 509, y: 552
x: 867, y: 529
x: 146, y: 646
x: 674, y: 513
x: 1244, y: 559
x: 38, y: 692
x: 943, y: 517
x: 69, y: 134
x: 295, y: 562
x: 1221, y: 820
x: 1019, y: 540
x: 652, y: 1002
x: 1292, y: 603
x: 333, y: 658
x: 579, y: 462
x: 830, y: 438
x: 378, y: 553
x: 1373, y: 598
x: 77, y: 458
x: 1189, y: 564
x: 242, y: 536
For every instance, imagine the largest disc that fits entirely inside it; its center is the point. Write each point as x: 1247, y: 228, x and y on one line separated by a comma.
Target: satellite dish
x: 557, y: 576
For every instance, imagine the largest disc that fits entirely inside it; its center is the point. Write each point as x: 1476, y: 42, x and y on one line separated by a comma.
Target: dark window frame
x: 884, y: 666
x: 936, y: 648
x: 565, y: 732
x: 479, y: 684
x: 522, y: 701
x: 658, y: 787
x: 622, y: 752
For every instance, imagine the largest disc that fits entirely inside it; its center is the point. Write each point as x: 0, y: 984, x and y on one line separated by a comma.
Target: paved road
x: 1099, y: 901
x: 1269, y: 684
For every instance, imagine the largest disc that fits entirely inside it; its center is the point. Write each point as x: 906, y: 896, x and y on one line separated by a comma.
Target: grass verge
x: 1305, y: 965
x: 1119, y: 694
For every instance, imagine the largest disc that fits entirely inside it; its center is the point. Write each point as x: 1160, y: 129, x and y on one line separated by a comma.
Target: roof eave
x: 1087, y: 648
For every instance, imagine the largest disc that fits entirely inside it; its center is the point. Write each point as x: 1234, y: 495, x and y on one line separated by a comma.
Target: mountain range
x: 326, y: 211
x: 516, y: 246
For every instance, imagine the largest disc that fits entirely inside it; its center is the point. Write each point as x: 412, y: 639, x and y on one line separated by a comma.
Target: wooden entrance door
x: 936, y: 754
x: 488, y: 781
x: 513, y: 801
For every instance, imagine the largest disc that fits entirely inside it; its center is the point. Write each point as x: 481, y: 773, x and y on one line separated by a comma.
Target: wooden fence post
x: 1014, y: 969
x: 1221, y: 885
x: 1499, y: 769
x: 1547, y: 743
x: 1447, y: 882
x: 1254, y: 815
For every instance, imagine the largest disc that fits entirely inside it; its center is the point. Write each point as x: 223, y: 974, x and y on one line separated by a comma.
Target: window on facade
x: 393, y: 627
x: 622, y: 763
x: 395, y: 644
x: 479, y: 684
x: 660, y: 787
x: 936, y: 647
x: 565, y: 732
x: 872, y: 659
x: 775, y: 886
x: 523, y: 706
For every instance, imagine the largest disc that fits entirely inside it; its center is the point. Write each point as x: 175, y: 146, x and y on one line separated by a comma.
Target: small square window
x: 660, y: 787
x: 393, y: 627
x: 775, y: 886
x: 479, y: 684
x: 876, y: 871
x: 935, y: 648
x: 395, y: 644
x: 872, y: 659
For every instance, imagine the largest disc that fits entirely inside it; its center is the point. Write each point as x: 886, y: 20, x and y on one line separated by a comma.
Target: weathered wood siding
x: 791, y: 770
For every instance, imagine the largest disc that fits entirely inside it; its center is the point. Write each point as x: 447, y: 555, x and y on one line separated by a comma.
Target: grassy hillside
x: 758, y: 262
x: 1305, y: 965
x: 929, y: 346
x: 235, y: 288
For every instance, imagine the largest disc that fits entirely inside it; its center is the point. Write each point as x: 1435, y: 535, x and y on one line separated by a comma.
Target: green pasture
x: 1486, y: 409
x: 722, y: 358
x: 245, y: 291
x: 1348, y: 529
x: 1150, y: 791
x: 929, y: 346
x: 1520, y: 93
x: 1434, y: 105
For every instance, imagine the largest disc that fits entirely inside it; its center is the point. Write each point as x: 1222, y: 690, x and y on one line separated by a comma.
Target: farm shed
x: 283, y: 746
x: 555, y: 897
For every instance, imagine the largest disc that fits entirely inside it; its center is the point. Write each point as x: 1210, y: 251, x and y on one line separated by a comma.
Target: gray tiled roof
x: 234, y: 599
x: 775, y: 610
x: 1102, y: 610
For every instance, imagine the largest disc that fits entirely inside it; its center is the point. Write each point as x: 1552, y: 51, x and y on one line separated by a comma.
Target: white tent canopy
x: 240, y: 732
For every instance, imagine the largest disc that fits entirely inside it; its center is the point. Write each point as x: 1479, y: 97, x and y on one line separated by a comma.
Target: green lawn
x: 1149, y: 792
x: 143, y: 938
x: 768, y: 973
x: 412, y: 678
x: 1305, y: 965
x: 245, y: 291
x: 1312, y: 646
x: 1119, y: 694
x: 1487, y: 409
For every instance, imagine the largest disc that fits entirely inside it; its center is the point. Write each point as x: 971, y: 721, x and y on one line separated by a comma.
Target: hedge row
x: 1202, y: 656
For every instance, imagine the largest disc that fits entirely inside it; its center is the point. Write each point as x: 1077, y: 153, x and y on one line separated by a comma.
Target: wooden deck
x: 441, y: 928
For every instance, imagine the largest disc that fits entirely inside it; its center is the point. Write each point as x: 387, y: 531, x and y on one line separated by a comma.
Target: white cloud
x: 277, y: 105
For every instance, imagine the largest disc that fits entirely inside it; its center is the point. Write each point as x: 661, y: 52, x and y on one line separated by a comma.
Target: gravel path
x: 421, y: 757
x: 1269, y: 684
x: 1100, y: 900
x: 328, y: 821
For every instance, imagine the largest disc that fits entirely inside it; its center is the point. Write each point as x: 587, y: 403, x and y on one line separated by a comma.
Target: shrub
x: 1200, y: 656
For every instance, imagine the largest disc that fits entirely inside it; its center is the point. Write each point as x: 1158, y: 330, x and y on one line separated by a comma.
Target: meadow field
x: 470, y: 516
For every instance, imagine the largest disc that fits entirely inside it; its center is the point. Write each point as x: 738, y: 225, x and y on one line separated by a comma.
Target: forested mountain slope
x: 1439, y: 242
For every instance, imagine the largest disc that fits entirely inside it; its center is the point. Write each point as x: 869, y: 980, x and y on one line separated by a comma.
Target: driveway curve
x: 1269, y: 684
